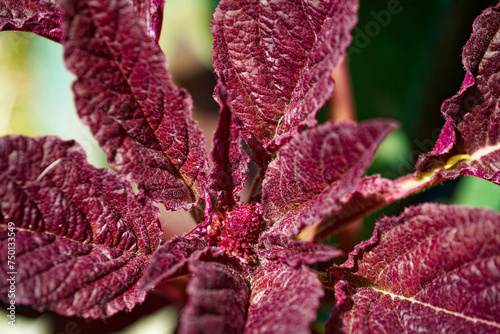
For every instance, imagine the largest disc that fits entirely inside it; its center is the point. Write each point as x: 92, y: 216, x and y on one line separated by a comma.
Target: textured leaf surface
x: 470, y: 140
x: 316, y: 169
x: 82, y: 237
x: 230, y: 162
x: 172, y: 259
x: 372, y: 193
x: 151, y: 12
x: 275, y: 58
x: 434, y: 269
x: 127, y: 97
x: 44, y: 17
x: 293, y: 253
x: 283, y: 299
x: 218, y: 298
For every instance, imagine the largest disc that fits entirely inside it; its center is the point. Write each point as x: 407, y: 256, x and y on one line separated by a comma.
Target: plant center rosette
x: 237, y: 231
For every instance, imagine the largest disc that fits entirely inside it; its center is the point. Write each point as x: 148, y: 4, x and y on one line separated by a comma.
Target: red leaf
x: 172, y: 259
x: 293, y: 253
x: 316, y: 169
x: 435, y: 268
x: 127, y: 97
x: 470, y: 140
x: 40, y: 17
x: 230, y: 162
x: 218, y: 298
x: 82, y: 237
x: 275, y: 58
x: 283, y: 300
x: 44, y: 17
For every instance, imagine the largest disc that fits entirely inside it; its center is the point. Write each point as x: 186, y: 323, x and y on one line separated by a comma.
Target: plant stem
x: 406, y: 185
x: 341, y: 105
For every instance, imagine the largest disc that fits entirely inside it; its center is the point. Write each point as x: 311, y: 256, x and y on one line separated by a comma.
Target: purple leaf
x: 283, y: 300
x: 218, y: 298
x: 44, y: 17
x: 171, y: 260
x: 435, y: 268
x: 293, y: 253
x: 127, y: 97
x: 316, y: 169
x: 230, y: 162
x: 276, y: 57
x: 82, y: 238
x: 470, y: 140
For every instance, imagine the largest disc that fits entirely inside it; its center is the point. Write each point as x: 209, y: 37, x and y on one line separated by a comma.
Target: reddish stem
x: 406, y: 185
x: 341, y: 106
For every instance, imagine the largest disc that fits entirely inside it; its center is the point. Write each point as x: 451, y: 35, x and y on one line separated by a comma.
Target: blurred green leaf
x: 476, y: 192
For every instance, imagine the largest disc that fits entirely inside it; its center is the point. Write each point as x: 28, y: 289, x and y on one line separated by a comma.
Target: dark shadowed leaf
x: 434, y: 269
x: 276, y: 57
x: 230, y: 162
x: 470, y: 140
x: 44, y: 17
x: 293, y: 253
x: 283, y: 299
x: 316, y: 169
x: 127, y: 97
x: 218, y: 298
x: 82, y: 237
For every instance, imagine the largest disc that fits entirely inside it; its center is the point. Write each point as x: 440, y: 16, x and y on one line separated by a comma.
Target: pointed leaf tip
x: 275, y: 58
x: 230, y: 162
x: 316, y: 169
x: 125, y: 94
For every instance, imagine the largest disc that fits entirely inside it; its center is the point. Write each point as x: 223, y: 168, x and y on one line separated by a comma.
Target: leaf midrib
x: 435, y: 308
x: 178, y: 174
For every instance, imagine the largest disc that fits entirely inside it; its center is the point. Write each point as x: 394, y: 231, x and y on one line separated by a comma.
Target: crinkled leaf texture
x: 151, y: 12
x: 44, y: 17
x: 310, y: 175
x: 82, y: 237
x: 230, y: 162
x: 227, y: 296
x: 125, y: 94
x: 283, y: 299
x: 372, y: 193
x: 275, y: 298
x: 434, y: 269
x: 172, y: 259
x: 275, y: 58
x: 470, y: 140
x: 218, y: 298
x: 281, y: 248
